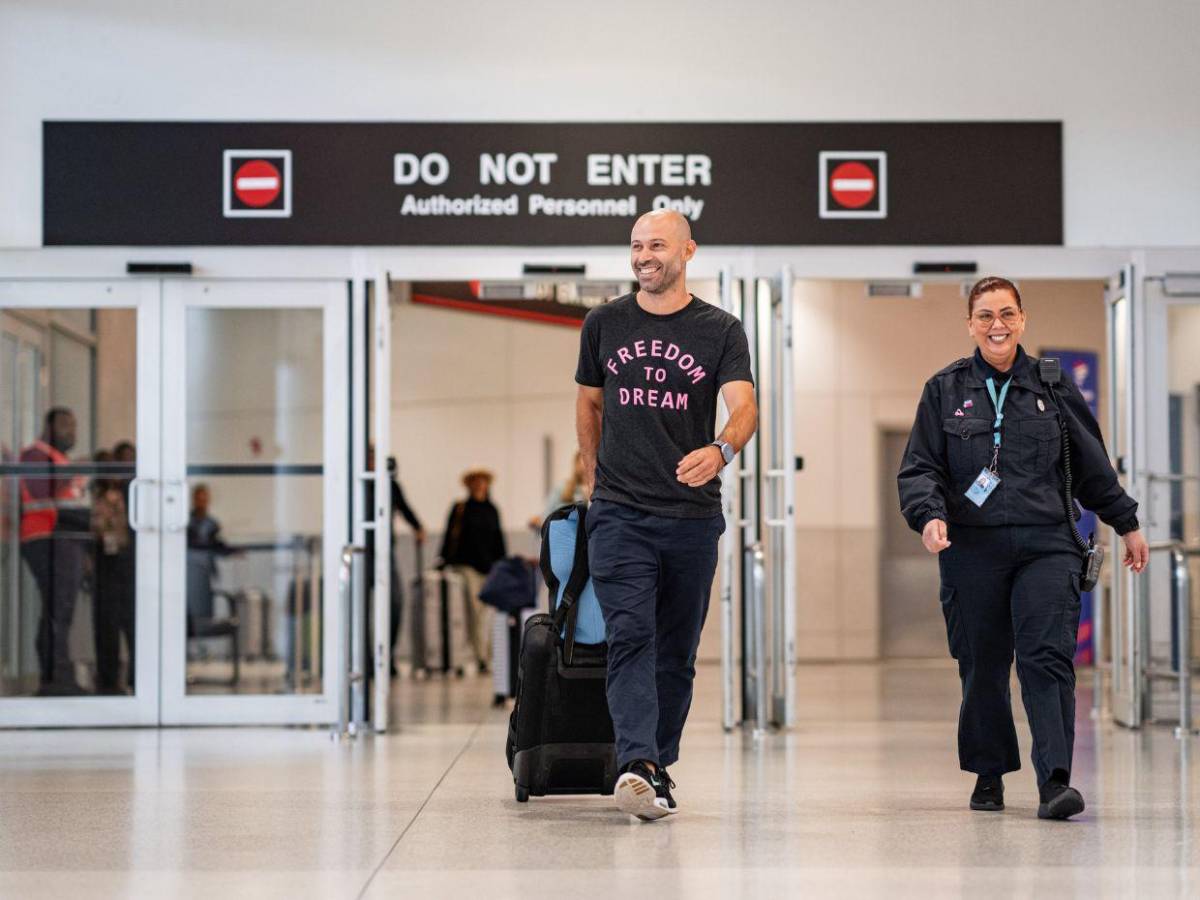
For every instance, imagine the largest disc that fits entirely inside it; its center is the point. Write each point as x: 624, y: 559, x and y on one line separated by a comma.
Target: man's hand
x: 934, y: 536
x: 700, y: 467
x: 1137, y: 551
x: 420, y: 535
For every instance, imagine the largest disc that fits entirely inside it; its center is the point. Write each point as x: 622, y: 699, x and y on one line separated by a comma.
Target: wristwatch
x: 727, y: 451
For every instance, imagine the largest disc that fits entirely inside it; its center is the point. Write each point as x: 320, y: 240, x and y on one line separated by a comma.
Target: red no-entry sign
x: 852, y: 185
x: 257, y: 183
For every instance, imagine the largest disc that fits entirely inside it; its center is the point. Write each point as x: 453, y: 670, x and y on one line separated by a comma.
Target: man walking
x: 650, y: 367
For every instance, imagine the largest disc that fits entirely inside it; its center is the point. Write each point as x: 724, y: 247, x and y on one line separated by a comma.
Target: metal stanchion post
x: 1183, y: 599
x: 315, y: 611
x: 297, y: 597
x: 760, y: 661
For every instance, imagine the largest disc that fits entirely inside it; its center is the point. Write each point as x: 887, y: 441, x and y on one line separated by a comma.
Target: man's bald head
x: 664, y: 221
x: 660, y: 247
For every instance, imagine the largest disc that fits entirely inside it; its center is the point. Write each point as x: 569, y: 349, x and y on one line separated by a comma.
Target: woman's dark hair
x: 991, y: 283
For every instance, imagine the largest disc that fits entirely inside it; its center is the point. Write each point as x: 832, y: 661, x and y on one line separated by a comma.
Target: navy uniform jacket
x: 951, y: 442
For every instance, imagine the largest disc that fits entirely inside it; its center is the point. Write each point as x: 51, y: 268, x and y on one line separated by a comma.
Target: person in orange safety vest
x: 55, y: 536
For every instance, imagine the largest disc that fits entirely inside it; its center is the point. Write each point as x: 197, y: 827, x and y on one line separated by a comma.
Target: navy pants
x: 1009, y: 590
x: 652, y: 576
x: 57, y: 567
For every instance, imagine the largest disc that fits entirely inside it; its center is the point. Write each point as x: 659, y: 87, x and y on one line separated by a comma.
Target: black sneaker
x: 988, y: 795
x: 665, y: 791
x: 1059, y: 800
x: 642, y: 793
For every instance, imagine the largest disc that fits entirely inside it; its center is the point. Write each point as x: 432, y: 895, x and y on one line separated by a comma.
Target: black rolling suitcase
x: 560, y: 734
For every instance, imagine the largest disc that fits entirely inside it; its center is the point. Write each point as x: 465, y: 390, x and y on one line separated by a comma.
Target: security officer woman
x: 982, y: 481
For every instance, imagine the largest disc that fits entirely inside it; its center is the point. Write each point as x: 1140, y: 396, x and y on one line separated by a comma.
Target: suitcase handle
x: 567, y: 613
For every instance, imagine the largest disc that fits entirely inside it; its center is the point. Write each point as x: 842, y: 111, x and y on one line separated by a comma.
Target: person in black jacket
x: 472, y: 544
x: 982, y: 481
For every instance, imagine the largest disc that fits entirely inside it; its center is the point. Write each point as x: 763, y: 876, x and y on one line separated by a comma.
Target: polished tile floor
x: 863, y: 799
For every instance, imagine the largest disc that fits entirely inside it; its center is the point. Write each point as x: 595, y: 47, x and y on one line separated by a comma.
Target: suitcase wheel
x: 522, y: 794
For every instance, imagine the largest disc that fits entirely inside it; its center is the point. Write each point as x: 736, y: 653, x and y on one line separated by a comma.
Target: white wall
x: 1121, y: 76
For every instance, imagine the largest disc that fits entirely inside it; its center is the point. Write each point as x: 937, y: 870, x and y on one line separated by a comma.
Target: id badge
x: 982, y: 487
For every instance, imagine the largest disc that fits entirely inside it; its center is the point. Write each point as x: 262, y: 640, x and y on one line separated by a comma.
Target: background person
x: 55, y: 538
x: 205, y: 546
x: 574, y: 489
x: 1010, y: 566
x: 473, y: 543
x: 113, y: 580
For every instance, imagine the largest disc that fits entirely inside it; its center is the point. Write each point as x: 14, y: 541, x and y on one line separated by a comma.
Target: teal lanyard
x: 998, y: 405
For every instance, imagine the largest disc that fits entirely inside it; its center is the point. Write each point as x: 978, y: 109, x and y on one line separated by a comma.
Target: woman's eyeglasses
x: 1008, y: 316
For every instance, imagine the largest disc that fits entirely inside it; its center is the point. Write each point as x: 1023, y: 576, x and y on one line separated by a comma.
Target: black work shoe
x: 640, y: 792
x: 988, y: 795
x: 1059, y: 800
x: 665, y: 791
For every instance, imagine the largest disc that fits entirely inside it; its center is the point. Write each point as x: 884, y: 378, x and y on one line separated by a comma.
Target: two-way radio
x: 1050, y: 374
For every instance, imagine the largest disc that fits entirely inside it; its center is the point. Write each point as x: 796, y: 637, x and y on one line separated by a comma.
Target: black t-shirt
x: 661, y: 376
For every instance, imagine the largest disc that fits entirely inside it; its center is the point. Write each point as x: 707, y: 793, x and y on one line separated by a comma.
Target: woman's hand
x: 1137, y: 551
x: 934, y: 536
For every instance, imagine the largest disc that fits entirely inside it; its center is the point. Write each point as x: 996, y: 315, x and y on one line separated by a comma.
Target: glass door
x: 1169, y: 479
x: 255, y: 511
x: 79, y: 480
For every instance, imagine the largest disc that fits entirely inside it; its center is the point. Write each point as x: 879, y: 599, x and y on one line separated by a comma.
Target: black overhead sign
x: 545, y: 184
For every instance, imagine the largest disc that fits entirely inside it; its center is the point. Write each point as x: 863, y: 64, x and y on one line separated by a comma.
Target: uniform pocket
x: 968, y: 445
x: 1040, y: 440
x: 954, y: 627
x: 1070, y: 620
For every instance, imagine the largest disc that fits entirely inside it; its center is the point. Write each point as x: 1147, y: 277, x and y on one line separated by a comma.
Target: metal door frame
x: 780, y: 518
x: 381, y: 523
x: 777, y: 488
x: 732, y: 292
x: 1126, y: 694
x: 752, y: 607
x: 142, y: 708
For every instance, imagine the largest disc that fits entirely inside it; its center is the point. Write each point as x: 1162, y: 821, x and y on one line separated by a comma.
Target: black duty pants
x: 57, y: 567
x: 652, y: 576
x: 1005, y: 590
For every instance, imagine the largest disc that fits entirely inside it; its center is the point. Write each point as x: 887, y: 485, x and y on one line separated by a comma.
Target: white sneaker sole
x: 635, y: 796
